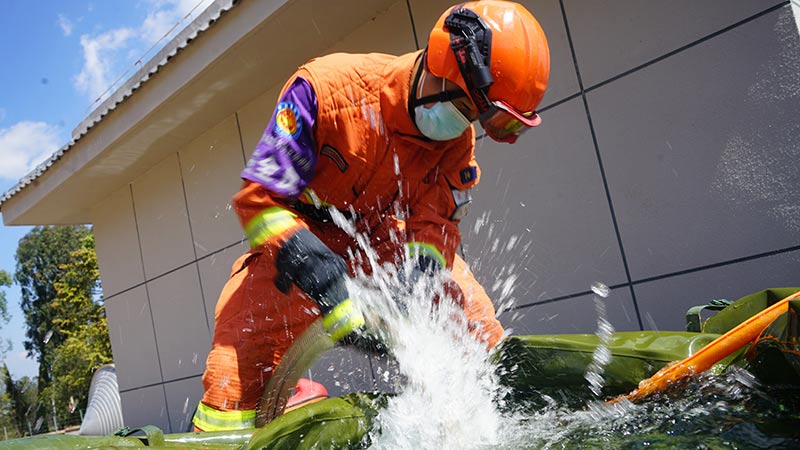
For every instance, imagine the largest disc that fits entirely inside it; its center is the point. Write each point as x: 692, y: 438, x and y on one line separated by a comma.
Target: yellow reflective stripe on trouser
x: 342, y: 320
x: 209, y: 419
x: 268, y: 223
x: 429, y: 250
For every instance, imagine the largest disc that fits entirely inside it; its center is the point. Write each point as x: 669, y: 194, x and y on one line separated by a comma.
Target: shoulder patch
x: 287, y: 120
x: 468, y: 174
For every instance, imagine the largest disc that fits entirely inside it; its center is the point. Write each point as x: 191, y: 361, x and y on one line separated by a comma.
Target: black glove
x: 366, y: 343
x: 422, y: 270
x: 305, y: 260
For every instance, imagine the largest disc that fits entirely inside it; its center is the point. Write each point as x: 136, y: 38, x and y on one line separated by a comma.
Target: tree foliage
x: 74, y: 363
x: 67, y: 329
x: 82, y: 323
x: 18, y: 403
x: 41, y: 256
x: 5, y: 281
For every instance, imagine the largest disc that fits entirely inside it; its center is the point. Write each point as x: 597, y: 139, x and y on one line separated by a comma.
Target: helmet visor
x: 503, y: 123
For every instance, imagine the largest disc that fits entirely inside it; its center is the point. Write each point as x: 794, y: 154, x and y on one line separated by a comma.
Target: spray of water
x: 602, y: 354
x: 448, y: 390
x: 447, y: 399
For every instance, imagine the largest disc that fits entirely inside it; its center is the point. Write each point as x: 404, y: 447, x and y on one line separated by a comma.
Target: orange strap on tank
x: 712, y: 353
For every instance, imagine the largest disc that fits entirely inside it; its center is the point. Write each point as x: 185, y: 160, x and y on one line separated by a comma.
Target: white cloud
x: 99, y: 56
x: 107, y: 56
x: 65, y: 24
x: 24, y: 145
x: 165, y: 14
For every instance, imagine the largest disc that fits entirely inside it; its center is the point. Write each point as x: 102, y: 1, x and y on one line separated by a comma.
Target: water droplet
x: 600, y: 289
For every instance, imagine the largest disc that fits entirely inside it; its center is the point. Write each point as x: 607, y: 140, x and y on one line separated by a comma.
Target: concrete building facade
x: 666, y: 168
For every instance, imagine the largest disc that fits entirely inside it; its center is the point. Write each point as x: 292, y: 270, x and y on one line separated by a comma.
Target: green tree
x: 74, y: 306
x: 5, y: 281
x: 19, y: 403
x: 74, y: 363
x: 67, y: 329
x: 7, y: 420
x: 81, y: 320
x: 41, y: 255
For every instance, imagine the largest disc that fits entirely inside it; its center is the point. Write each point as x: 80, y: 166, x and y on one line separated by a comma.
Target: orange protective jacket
x: 373, y: 162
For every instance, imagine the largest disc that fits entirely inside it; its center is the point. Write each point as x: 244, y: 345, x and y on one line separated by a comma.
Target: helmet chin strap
x: 443, y: 96
x: 415, y: 88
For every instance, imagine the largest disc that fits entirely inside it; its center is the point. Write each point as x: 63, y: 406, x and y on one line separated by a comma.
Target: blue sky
x: 61, y: 57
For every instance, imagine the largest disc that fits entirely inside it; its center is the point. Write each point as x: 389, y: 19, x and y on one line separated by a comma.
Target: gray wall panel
x: 130, y: 326
x: 574, y: 315
x: 162, y: 220
x: 702, y: 149
x: 541, y: 206
x: 182, y: 399
x: 115, y: 234
x: 145, y: 406
x: 180, y: 322
x: 664, y: 302
x: 613, y: 36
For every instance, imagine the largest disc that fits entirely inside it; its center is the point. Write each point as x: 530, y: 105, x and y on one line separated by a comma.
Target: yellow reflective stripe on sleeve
x: 429, y: 250
x: 268, y: 223
x: 209, y: 419
x: 342, y: 320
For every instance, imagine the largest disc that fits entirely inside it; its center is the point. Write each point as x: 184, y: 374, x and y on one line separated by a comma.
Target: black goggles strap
x: 444, y: 96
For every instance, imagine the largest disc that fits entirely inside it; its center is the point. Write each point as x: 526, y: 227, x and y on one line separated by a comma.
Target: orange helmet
x: 497, y: 53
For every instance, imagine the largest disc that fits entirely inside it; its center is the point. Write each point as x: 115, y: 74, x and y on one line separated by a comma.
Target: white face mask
x: 442, y: 121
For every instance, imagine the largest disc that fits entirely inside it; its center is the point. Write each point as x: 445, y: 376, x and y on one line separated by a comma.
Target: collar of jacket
x: 395, y: 94
x: 395, y: 103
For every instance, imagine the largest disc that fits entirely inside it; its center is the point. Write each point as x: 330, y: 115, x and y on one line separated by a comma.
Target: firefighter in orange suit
x: 387, y: 141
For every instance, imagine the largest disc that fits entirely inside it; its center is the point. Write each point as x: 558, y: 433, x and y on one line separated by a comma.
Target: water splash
x: 447, y: 387
x: 712, y: 411
x: 448, y: 396
x: 601, y: 356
